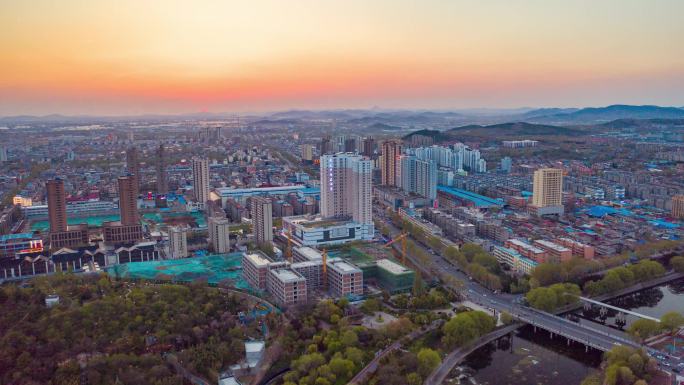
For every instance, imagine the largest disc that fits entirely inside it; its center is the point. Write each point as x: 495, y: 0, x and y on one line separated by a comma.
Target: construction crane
x: 401, y: 237
x: 288, y: 251
x: 325, y: 269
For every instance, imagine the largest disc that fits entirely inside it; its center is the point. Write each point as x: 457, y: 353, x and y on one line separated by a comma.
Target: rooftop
x: 552, y: 245
x: 509, y: 251
x: 392, y: 267
x: 257, y: 259
x: 228, y: 192
x: 254, y: 346
x: 317, y: 221
x: 287, y: 275
x: 306, y: 264
x: 477, y: 199
x: 7, y: 237
x: 343, y: 267
x: 526, y: 245
x: 309, y: 253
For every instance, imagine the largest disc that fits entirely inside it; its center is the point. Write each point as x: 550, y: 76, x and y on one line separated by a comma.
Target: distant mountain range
x: 604, y: 114
x: 401, y: 119
x: 438, y: 136
x: 383, y: 127
x: 516, y: 128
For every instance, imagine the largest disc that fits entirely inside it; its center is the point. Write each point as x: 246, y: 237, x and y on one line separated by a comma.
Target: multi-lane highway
x: 501, y: 302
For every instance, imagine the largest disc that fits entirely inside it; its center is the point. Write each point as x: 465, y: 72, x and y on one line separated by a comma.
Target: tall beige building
x: 56, y: 205
x: 678, y: 206
x: 128, y: 229
x: 128, y: 200
x: 200, y: 179
x: 133, y: 165
x: 547, y: 194
x: 307, y: 152
x: 162, y: 183
x: 389, y: 162
x: 62, y: 235
x: 219, y: 234
x: 262, y: 219
x: 346, y: 188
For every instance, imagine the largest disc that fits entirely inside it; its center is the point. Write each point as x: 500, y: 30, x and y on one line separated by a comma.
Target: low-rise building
x: 514, y: 260
x: 312, y: 271
x: 315, y: 231
x: 287, y: 286
x: 344, y: 278
x: 117, y: 233
x: 255, y: 268
x: 554, y: 253
x: 76, y: 209
x: 579, y: 249
x: 75, y: 235
x: 394, y: 277
x: 11, y: 244
x: 305, y: 254
x: 526, y: 250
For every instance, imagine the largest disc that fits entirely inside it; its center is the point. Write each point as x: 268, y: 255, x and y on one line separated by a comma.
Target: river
x: 527, y: 357
x: 652, y: 302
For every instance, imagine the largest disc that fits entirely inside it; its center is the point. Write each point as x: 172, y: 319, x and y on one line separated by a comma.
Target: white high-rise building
x: 466, y: 158
x: 443, y: 156
x: 219, y: 234
x: 506, y: 164
x: 4, y: 157
x: 200, y: 180
x: 178, y: 242
x: 419, y: 176
x: 346, y: 188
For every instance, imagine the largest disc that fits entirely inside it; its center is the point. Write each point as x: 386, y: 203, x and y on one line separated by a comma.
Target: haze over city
x: 131, y: 57
x: 328, y: 192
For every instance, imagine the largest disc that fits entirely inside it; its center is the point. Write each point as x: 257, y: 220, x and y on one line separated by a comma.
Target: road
x: 500, y: 302
x: 438, y: 376
x: 172, y: 359
x: 375, y: 362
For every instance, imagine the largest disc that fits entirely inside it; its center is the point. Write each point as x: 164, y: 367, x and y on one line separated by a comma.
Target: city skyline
x: 169, y: 57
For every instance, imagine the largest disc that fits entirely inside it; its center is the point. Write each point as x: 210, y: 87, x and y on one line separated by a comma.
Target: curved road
x: 373, y: 365
x: 452, y: 359
x: 510, y: 303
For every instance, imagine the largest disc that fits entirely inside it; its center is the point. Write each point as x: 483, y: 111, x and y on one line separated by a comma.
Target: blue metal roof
x: 311, y: 190
x: 7, y: 237
x: 477, y: 199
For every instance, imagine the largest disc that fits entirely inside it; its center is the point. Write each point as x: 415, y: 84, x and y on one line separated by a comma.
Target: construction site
x: 216, y: 270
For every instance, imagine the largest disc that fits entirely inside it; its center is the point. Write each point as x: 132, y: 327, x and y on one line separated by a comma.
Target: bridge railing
x: 585, y: 327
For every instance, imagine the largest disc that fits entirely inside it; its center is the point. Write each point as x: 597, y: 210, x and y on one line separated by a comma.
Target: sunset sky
x: 167, y: 56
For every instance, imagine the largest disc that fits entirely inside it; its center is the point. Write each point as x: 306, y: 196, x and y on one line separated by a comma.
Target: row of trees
x: 577, y: 268
x: 466, y: 327
x: 406, y: 367
x: 324, y: 349
x: 677, y: 264
x: 553, y: 297
x: 423, y: 299
x: 625, y: 366
x: 642, y: 329
x: 624, y: 276
x: 478, y: 264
